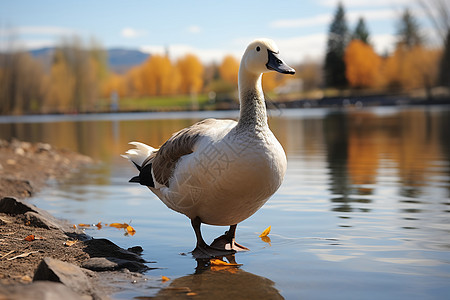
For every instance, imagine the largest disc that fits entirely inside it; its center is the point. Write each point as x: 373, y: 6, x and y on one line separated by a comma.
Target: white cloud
x: 365, y: 3
x: 194, y: 29
x: 325, y: 19
x: 296, y: 49
x: 131, y: 33
x: 37, y: 30
x: 25, y: 45
x: 383, y: 43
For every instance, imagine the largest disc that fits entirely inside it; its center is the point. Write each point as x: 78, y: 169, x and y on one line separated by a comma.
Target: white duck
x: 220, y: 172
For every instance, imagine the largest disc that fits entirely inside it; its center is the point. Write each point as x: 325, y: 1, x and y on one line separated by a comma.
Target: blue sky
x: 209, y: 29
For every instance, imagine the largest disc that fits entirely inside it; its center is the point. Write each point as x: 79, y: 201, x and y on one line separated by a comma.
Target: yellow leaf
x: 266, y: 239
x: 118, y: 225
x: 219, y: 262
x: 131, y: 230
x: 70, y: 243
x: 164, y: 278
x: 265, y: 232
x: 83, y: 225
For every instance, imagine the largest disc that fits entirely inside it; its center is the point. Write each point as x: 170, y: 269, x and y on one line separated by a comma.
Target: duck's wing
x: 181, y: 143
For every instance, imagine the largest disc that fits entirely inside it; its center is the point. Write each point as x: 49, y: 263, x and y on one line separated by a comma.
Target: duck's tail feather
x: 141, y: 157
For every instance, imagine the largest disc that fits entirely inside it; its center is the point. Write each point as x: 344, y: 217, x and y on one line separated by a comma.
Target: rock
x: 136, y: 249
x: 100, y: 264
x: 43, y: 290
x: 51, y: 269
x: 37, y: 220
x: 37, y: 217
x: 106, y: 248
x: 13, y: 206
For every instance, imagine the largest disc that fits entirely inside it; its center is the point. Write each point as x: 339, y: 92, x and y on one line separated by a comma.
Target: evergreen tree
x: 361, y: 32
x: 408, y: 31
x: 338, y: 36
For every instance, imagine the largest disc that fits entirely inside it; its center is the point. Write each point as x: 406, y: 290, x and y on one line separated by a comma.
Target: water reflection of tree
x: 336, y: 141
x: 357, y: 142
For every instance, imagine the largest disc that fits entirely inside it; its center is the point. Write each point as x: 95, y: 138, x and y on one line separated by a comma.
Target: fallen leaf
x: 74, y: 226
x: 118, y: 225
x: 219, y: 262
x: 30, y: 238
x: 131, y: 230
x: 99, y: 225
x: 23, y: 255
x: 70, y: 243
x: 191, y: 294
x: 265, y: 232
x: 164, y: 278
x: 26, y: 278
x: 84, y: 225
x: 266, y: 239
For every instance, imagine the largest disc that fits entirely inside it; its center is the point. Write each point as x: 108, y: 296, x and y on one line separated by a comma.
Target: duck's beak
x: 277, y: 64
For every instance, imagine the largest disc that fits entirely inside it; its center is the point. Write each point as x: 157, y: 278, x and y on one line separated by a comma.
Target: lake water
x: 363, y: 213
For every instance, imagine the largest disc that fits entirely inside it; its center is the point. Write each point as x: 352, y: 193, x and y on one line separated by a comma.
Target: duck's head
x: 261, y: 56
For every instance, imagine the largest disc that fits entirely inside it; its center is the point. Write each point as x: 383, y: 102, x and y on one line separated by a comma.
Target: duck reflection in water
x: 220, y: 282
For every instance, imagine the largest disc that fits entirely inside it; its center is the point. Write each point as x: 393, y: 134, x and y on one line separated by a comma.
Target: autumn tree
x: 412, y: 65
x: 76, y: 75
x: 158, y: 76
x: 21, y: 83
x: 62, y: 85
x: 438, y: 12
x: 229, y: 69
x: 191, y: 74
x: 334, y: 66
x: 362, y: 65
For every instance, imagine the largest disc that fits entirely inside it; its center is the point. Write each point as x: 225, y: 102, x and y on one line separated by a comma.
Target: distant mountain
x: 119, y: 60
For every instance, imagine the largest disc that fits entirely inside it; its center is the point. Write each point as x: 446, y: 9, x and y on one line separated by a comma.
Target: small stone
x: 51, y: 269
x: 12, y: 206
x: 136, y: 249
x: 19, y: 151
x: 40, y: 221
x: 100, y: 264
x: 106, y: 248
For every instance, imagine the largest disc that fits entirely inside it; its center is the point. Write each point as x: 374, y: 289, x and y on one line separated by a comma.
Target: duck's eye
x: 258, y: 48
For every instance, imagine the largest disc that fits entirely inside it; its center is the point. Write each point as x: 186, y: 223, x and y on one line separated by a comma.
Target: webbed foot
x: 227, y: 241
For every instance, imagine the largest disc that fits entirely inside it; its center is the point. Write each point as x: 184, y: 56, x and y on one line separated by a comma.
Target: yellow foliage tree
x: 191, y: 74
x: 158, y: 76
x: 229, y: 69
x: 362, y: 65
x: 114, y: 83
x: 411, y: 68
x: 62, y: 85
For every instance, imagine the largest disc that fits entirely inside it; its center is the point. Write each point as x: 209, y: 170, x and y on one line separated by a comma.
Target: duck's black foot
x: 205, y: 251
x: 228, y: 243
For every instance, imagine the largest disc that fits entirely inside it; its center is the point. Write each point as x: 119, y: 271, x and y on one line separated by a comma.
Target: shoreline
x: 40, y: 255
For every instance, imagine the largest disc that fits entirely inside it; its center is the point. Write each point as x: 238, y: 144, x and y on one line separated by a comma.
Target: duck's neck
x: 253, y: 114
